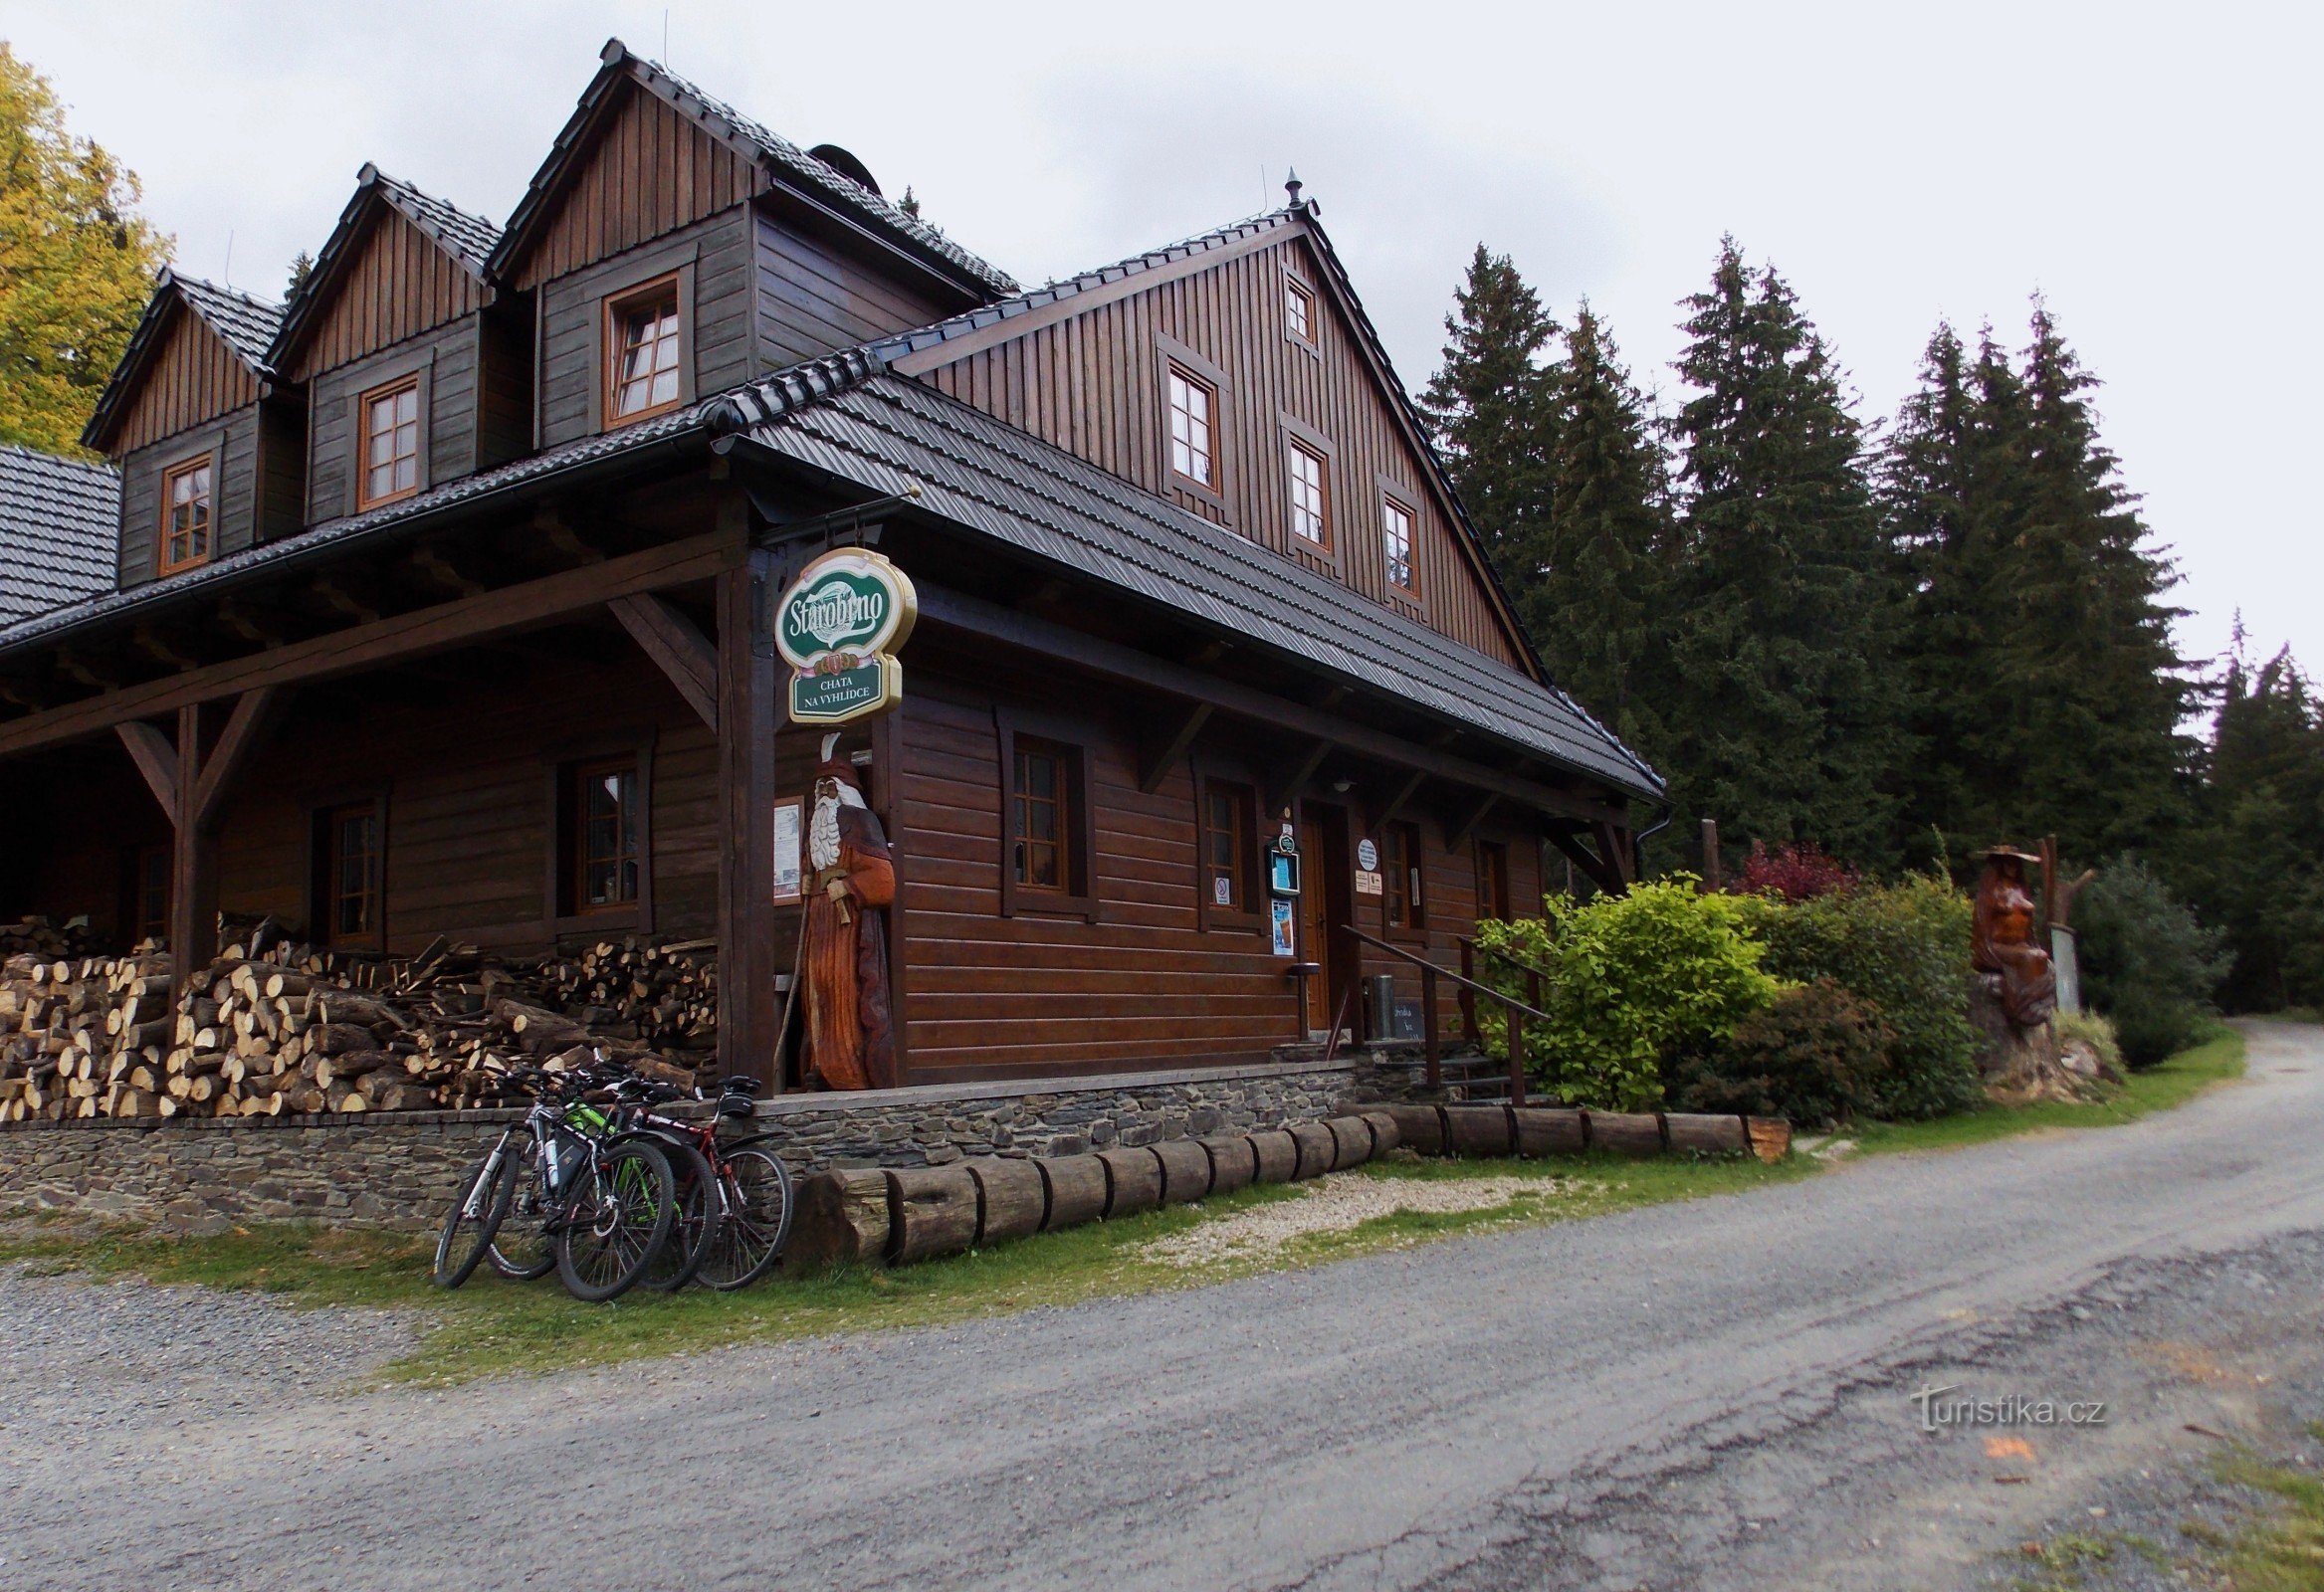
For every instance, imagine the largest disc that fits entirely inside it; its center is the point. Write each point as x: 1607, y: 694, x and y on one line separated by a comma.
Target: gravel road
x: 1709, y: 1395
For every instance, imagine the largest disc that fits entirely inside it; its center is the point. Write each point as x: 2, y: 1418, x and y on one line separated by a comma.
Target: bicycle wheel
x: 619, y: 1214
x: 757, y: 1190
x: 525, y: 1247
x: 476, y: 1215
x: 694, y: 1228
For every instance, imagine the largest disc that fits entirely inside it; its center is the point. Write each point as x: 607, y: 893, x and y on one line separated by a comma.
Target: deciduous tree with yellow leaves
x: 76, y: 262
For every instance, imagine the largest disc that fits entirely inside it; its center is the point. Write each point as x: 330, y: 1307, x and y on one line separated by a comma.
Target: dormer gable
x: 645, y: 153
x: 199, y: 352
x: 399, y: 262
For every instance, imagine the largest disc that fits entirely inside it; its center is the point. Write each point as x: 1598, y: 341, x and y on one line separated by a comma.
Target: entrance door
x: 1322, y: 910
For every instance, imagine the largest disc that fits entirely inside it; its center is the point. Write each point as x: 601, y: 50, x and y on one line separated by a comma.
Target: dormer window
x: 1299, y: 310
x: 392, y: 443
x: 185, y: 511
x: 1194, y: 404
x: 642, y: 353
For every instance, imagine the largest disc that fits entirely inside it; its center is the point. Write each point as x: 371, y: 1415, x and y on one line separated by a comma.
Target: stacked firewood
x: 36, y: 937
x: 273, y: 1027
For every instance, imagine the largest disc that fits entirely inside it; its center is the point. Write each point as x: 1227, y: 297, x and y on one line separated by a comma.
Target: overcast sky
x: 2151, y: 170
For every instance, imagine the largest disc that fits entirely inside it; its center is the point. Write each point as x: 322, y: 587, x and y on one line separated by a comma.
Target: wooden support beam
x: 1594, y: 868
x: 1404, y: 793
x: 430, y: 561
x: 349, y: 652
x: 1613, y: 844
x: 1105, y: 660
x: 339, y: 600
x: 1458, y: 836
x: 1295, y: 785
x: 156, y: 755
x: 193, y: 860
x: 1180, y: 742
x: 556, y: 533
x: 149, y: 642
x: 246, y: 730
x: 677, y: 647
x: 748, y: 708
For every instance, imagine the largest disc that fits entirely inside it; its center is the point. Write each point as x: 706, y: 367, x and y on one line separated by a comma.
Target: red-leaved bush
x: 1795, y: 873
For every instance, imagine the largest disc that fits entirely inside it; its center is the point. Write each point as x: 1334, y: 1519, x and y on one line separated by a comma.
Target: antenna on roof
x: 1291, y: 185
x: 228, y: 257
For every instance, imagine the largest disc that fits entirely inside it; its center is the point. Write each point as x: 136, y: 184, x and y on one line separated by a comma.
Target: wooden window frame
x: 1251, y: 917
x: 1508, y: 883
x: 206, y: 459
x: 323, y: 810
x: 561, y: 911
x: 1170, y: 352
x: 1080, y: 826
x: 392, y: 387
x: 1298, y: 433
x: 1416, y: 932
x: 610, y: 309
x: 1395, y: 495
x: 1296, y: 286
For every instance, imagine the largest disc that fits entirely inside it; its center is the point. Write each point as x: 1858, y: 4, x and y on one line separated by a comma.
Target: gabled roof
x: 886, y: 433
x: 465, y: 239
x: 904, y: 345
x: 781, y: 160
x: 247, y: 326
x: 59, y: 523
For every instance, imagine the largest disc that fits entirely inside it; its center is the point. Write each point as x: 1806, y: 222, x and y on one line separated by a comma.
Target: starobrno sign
x: 839, y: 626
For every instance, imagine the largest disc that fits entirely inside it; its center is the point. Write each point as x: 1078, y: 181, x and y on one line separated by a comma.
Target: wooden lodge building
x: 438, y: 603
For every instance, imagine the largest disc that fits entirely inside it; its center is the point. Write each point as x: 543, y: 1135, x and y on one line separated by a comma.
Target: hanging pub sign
x: 839, y: 626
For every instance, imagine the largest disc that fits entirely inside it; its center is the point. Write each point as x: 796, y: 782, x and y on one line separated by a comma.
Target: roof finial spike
x: 1291, y: 185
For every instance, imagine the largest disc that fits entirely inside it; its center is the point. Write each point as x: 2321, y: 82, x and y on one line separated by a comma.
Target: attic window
x: 1310, y: 505
x: 1194, y: 404
x: 185, y: 515
x: 392, y: 443
x: 1299, y: 309
x: 642, y: 347
x: 1395, y: 535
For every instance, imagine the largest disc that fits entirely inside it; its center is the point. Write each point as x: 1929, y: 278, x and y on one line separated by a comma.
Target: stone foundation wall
x: 395, y: 1171
x: 400, y: 1171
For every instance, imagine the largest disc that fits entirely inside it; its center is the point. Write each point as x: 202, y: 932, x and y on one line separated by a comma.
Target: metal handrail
x: 1471, y: 988
x: 1470, y: 951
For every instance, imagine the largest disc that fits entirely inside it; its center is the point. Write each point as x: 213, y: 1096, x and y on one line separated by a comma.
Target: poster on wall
x: 789, y: 833
x: 1283, y: 922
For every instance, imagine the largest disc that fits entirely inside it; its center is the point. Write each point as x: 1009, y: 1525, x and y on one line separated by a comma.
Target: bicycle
x: 607, y: 1199
x: 753, y: 1217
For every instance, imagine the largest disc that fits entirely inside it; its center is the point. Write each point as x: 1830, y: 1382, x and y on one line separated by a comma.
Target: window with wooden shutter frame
x: 1311, y: 495
x: 389, y: 465
x: 1398, y: 536
x: 1403, y: 906
x: 351, y: 873
x: 1048, y: 839
x: 1228, y: 878
x: 1194, y: 427
x: 188, y: 519
x: 645, y: 348
x: 1299, y: 310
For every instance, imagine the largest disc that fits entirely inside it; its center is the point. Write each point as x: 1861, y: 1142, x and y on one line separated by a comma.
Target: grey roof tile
x: 248, y: 325
x: 979, y: 472
x: 469, y: 239
x: 58, y: 528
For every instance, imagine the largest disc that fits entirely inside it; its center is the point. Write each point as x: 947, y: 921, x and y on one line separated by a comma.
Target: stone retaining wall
x: 399, y: 1170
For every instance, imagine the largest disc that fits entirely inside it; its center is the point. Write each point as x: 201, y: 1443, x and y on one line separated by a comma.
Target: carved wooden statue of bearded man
x: 851, y: 1042
x: 2002, y: 939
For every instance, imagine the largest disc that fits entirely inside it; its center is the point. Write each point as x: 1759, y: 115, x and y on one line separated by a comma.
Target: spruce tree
x: 1490, y: 407
x: 1783, y: 714
x: 1600, y: 585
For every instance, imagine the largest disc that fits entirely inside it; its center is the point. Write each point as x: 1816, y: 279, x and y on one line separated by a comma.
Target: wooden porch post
x: 196, y: 810
x: 748, y: 958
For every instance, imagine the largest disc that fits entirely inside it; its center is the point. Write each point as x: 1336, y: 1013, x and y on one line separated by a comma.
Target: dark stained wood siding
x: 649, y: 172
x: 813, y: 300
x: 715, y: 265
x: 193, y: 379
x: 446, y: 361
x: 990, y: 996
x: 1093, y: 384
x: 467, y: 801
x: 400, y: 285
x: 233, y: 438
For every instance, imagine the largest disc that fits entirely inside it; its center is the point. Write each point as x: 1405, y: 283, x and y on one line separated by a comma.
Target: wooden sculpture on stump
x: 2012, y: 995
x: 851, y: 1040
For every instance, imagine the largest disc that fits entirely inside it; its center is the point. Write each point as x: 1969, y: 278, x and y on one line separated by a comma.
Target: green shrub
x: 1817, y: 1056
x: 2145, y: 963
x: 1903, y: 949
x: 1631, y: 982
x: 2095, y: 1032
